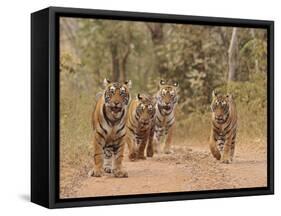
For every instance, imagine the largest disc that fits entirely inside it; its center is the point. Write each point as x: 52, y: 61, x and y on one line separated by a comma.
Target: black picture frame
x: 45, y: 107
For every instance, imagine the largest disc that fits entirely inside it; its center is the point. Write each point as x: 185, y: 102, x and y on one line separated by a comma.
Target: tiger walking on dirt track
x: 108, y: 120
x: 224, y: 127
x: 140, y: 126
x: 165, y: 115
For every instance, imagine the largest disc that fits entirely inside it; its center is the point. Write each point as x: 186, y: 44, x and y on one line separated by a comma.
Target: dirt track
x: 187, y: 169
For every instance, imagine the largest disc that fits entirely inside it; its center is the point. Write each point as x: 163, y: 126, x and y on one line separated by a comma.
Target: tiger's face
x: 116, y: 97
x: 145, y: 110
x: 167, y: 95
x: 220, y: 107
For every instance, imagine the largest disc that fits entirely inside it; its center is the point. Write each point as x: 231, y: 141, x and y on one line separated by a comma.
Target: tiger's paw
x: 107, y: 169
x: 157, y: 151
x: 118, y: 173
x: 95, y: 173
x: 133, y: 156
x: 168, y: 151
x: 225, y: 160
x: 149, y: 153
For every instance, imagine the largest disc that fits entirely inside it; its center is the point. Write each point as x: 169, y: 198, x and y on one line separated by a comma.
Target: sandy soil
x: 187, y: 169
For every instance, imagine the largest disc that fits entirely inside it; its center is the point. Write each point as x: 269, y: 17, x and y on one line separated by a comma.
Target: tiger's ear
x: 229, y: 96
x: 128, y: 83
x: 211, y: 107
x: 214, y: 93
x: 162, y: 82
x: 105, y: 82
x: 139, y: 97
x: 176, y: 84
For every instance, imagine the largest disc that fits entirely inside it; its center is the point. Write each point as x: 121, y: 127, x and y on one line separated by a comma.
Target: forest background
x: 201, y: 58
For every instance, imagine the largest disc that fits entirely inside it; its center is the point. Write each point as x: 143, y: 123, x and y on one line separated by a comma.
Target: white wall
x: 15, y: 105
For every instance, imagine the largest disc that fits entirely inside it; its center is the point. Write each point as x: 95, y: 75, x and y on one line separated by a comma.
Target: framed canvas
x: 139, y: 107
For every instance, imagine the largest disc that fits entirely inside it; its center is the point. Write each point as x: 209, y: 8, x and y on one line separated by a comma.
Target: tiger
x: 140, y: 126
x: 108, y: 121
x: 224, y: 127
x: 166, y: 101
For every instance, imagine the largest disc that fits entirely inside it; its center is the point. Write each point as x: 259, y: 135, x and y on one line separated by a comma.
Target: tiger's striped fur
x: 165, y: 114
x: 140, y: 126
x: 108, y: 120
x: 224, y: 127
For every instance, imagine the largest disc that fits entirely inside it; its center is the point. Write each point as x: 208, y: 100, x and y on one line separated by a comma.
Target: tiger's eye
x: 122, y: 90
x: 112, y: 89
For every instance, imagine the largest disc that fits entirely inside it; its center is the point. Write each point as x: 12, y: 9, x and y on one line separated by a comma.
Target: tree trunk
x: 256, y: 60
x: 119, y: 62
x: 123, y: 69
x: 115, y: 62
x: 120, y: 51
x: 157, y: 37
x: 233, y: 56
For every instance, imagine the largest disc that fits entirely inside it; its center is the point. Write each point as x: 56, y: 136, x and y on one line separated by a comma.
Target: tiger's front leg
x: 213, y: 146
x: 157, y: 141
x: 132, y: 148
x: 141, y: 149
x: 108, y: 153
x: 97, y: 170
x: 118, y: 169
x: 159, y: 135
x: 226, y: 155
x: 232, y: 147
x: 168, y: 143
x: 149, y: 149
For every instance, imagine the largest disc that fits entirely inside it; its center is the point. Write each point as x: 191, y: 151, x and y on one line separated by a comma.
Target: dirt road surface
x: 188, y: 169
